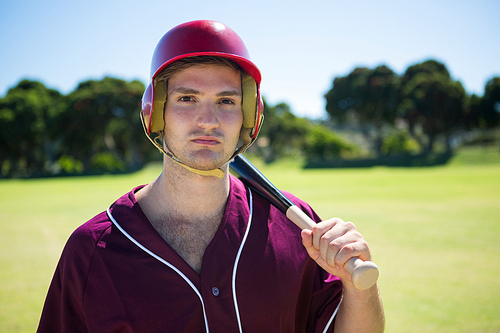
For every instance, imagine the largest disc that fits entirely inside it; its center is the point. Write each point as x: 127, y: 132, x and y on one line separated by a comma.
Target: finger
x: 358, y: 248
x: 331, y: 242
x: 321, y: 228
x: 307, y: 238
x: 334, y: 240
x: 307, y: 241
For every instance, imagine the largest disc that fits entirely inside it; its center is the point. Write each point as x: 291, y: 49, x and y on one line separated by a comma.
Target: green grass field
x: 434, y: 232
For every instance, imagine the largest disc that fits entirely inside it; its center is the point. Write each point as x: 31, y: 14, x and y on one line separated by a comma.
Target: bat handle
x: 364, y: 274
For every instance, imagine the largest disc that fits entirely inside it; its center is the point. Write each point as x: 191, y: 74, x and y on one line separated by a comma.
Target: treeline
x: 411, y: 112
x: 96, y: 128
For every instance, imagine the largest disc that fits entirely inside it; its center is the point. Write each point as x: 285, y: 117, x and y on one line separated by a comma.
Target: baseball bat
x: 364, y: 273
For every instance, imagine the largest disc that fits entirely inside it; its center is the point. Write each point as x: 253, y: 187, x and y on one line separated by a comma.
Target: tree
x: 344, y: 101
x: 473, y: 113
x: 101, y: 124
x: 367, y: 97
x: 282, y: 133
x: 432, y: 102
x: 286, y: 135
x: 489, y: 108
x: 27, y: 130
x: 430, y: 66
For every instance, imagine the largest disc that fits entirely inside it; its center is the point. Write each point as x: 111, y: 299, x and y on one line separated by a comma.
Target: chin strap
x: 219, y: 173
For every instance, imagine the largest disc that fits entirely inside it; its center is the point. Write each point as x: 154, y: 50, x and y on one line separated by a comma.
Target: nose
x: 208, y: 116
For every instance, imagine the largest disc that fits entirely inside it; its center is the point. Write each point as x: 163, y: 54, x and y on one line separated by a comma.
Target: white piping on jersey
x: 333, y: 316
x: 175, y: 269
x: 235, y: 267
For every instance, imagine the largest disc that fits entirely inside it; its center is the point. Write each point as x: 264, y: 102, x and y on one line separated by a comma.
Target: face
x: 203, y: 116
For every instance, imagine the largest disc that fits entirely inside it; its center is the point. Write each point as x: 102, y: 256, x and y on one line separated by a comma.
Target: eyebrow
x: 191, y: 91
x: 229, y: 93
x: 187, y: 91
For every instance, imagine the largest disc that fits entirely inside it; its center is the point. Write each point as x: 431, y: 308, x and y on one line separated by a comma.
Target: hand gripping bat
x: 364, y: 273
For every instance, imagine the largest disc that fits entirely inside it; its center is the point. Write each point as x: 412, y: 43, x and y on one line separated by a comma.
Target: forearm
x: 360, y: 311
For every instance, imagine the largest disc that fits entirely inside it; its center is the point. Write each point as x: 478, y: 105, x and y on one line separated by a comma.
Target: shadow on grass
x: 92, y: 172
x: 420, y: 160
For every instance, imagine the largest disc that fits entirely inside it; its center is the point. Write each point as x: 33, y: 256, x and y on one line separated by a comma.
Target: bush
x: 399, y: 143
x: 323, y: 143
x: 107, y: 162
x: 70, y: 165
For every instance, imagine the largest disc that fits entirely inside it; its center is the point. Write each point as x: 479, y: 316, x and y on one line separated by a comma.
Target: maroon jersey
x: 117, y: 274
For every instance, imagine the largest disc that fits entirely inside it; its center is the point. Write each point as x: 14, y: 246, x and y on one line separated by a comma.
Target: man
x: 195, y: 250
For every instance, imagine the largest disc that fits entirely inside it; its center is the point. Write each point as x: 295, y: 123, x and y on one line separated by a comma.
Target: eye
x: 186, y: 99
x: 227, y: 101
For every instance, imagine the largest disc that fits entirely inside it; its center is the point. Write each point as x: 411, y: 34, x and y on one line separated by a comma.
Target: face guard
x: 202, y: 38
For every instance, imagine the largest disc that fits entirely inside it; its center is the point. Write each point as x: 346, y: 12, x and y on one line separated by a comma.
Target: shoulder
x: 304, y: 206
x: 91, y: 231
x: 84, y: 240
x: 81, y: 244
x: 239, y: 189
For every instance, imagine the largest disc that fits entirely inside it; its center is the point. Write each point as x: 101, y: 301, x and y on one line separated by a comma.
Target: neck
x: 183, y: 195
x: 185, y: 209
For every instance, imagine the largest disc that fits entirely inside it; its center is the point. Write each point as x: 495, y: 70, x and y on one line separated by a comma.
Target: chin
x: 204, y: 163
x: 204, y: 159
x: 207, y: 166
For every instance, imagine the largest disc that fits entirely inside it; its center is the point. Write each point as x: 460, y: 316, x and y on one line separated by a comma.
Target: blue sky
x: 299, y: 46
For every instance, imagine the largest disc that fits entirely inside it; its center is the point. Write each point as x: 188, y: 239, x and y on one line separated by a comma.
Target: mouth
x: 206, y: 140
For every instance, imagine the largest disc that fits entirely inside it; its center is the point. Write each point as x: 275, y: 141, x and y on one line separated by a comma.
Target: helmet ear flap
x: 249, y: 103
x: 152, y: 104
x: 147, y: 108
x: 251, y: 108
x: 252, y: 105
x: 160, y: 98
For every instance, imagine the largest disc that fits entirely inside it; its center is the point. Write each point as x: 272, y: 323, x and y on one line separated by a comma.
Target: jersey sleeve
x: 325, y: 300
x: 327, y: 289
x: 63, y: 308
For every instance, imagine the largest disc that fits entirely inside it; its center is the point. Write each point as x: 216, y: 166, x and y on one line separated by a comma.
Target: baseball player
x: 196, y: 250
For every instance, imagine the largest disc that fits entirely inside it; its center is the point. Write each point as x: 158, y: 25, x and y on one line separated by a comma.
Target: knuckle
x: 333, y: 221
x: 359, y: 237
x: 350, y: 225
x: 337, y: 220
x: 324, y: 241
x: 364, y: 245
x: 334, y: 245
x: 316, y: 228
x: 348, y: 248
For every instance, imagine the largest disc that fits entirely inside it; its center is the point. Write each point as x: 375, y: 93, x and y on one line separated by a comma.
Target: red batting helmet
x: 203, y: 38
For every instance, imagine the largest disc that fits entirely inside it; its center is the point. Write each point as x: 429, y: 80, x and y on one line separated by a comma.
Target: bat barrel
x: 250, y: 174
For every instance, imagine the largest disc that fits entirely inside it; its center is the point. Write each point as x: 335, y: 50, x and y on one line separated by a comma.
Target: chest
x: 189, y: 238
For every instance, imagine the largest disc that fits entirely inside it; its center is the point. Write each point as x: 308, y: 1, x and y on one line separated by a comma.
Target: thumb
x: 307, y: 241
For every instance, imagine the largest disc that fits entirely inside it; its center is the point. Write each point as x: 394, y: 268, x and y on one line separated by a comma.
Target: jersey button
x: 215, y: 291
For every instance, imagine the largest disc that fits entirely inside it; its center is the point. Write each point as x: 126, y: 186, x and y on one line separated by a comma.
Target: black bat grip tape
x: 251, y: 176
